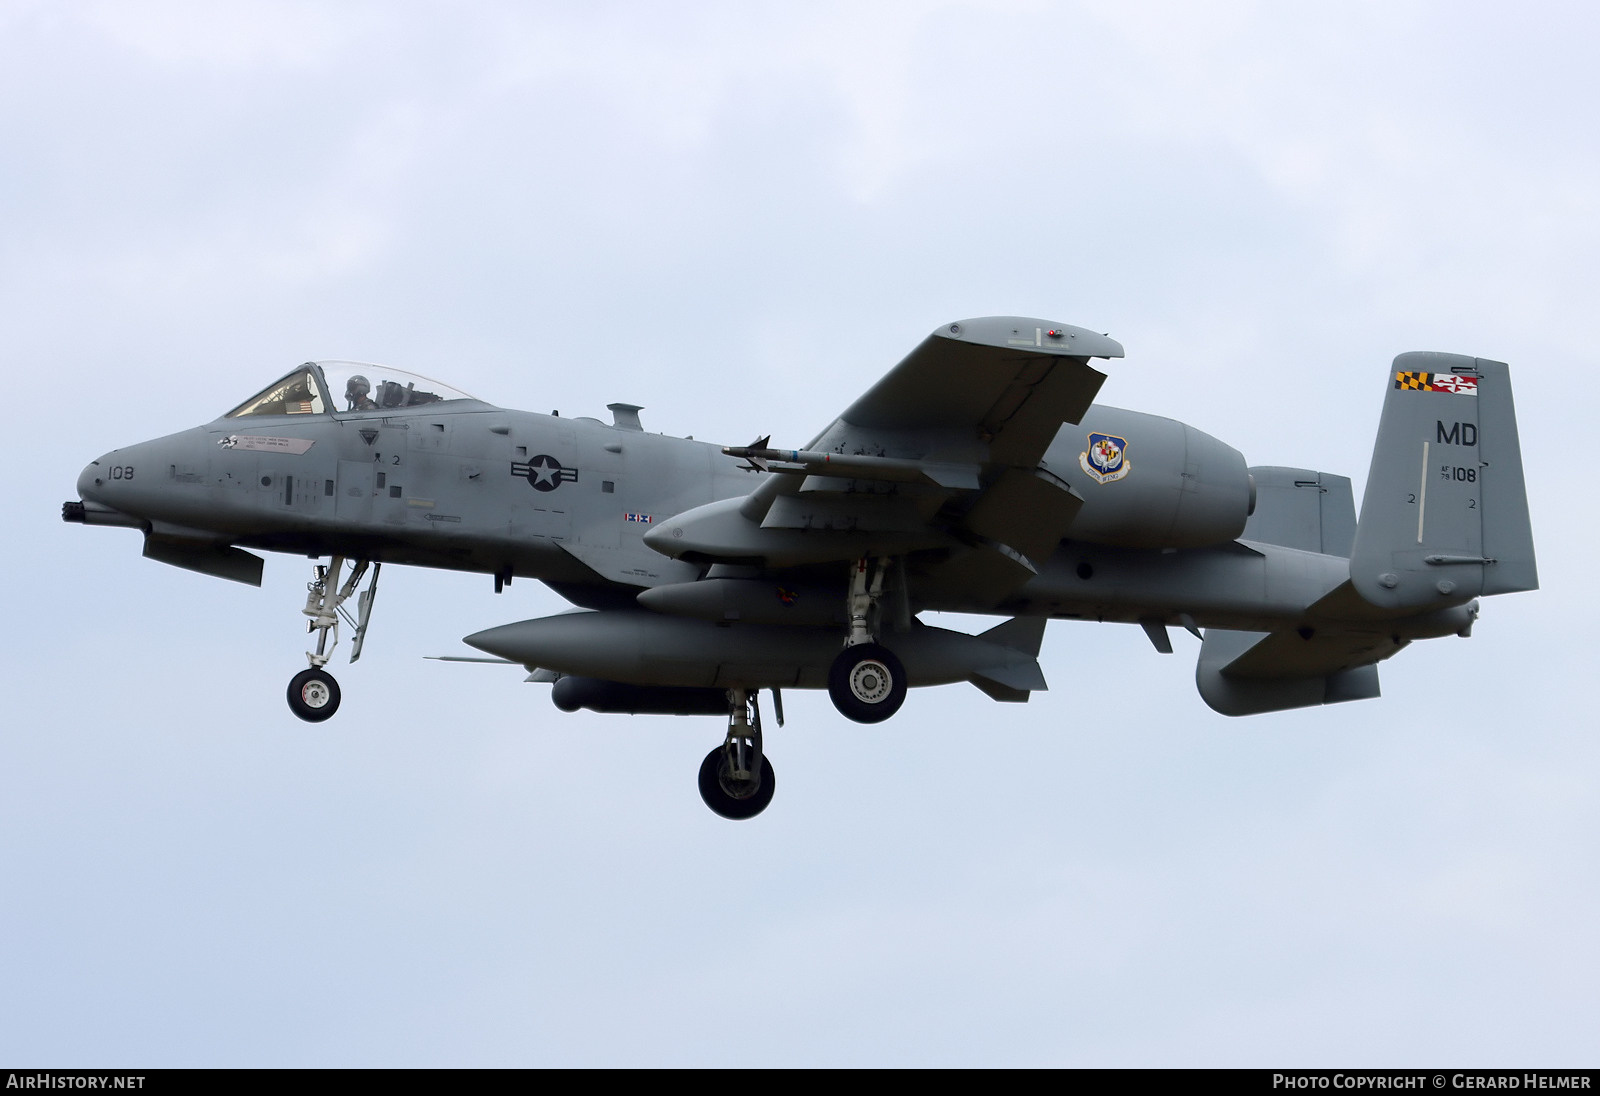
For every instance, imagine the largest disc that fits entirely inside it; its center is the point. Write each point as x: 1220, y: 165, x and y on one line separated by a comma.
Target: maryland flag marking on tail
x: 1437, y: 382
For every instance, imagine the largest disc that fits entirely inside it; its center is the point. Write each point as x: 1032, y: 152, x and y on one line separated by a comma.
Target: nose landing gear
x: 313, y: 694
x: 736, y: 779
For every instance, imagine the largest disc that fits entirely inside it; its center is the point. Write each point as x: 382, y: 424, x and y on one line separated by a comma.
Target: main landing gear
x: 866, y: 682
x: 736, y: 779
x: 314, y: 694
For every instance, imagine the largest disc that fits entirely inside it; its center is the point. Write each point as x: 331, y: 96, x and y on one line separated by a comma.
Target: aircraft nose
x: 91, y: 480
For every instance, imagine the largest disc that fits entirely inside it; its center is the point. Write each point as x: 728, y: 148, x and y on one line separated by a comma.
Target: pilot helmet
x: 356, y: 388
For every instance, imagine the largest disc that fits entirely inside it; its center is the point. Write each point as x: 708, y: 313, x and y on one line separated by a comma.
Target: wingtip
x: 1027, y: 333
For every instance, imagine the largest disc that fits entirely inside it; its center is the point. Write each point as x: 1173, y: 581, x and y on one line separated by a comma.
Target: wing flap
x: 1028, y: 510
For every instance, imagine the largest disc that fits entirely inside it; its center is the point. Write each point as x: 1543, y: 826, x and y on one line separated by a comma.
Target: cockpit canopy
x: 343, y: 387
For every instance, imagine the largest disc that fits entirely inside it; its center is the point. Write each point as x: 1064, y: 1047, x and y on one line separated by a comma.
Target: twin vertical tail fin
x: 1445, y: 514
x: 1444, y: 520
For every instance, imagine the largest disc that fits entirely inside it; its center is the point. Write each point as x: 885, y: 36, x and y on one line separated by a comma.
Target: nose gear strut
x: 314, y: 694
x: 736, y: 779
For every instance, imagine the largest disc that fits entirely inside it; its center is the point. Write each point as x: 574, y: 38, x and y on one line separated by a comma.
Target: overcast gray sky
x: 739, y: 215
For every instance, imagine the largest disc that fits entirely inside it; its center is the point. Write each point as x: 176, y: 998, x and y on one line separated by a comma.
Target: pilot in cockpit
x: 356, y: 394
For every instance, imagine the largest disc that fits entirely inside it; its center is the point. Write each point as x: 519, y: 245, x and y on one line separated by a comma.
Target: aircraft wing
x: 1009, y: 382
x: 944, y: 452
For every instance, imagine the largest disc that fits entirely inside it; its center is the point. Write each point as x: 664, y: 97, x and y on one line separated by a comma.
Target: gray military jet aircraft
x: 977, y: 476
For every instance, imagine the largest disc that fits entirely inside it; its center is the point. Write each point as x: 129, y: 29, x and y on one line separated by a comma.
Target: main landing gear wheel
x: 867, y: 683
x: 313, y: 695
x: 732, y: 798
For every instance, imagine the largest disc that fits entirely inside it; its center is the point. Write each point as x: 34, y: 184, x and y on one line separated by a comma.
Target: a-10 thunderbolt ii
x: 977, y: 476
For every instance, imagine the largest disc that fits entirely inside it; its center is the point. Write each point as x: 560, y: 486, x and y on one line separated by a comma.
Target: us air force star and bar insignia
x: 544, y: 472
x: 1106, y: 459
x: 1437, y: 382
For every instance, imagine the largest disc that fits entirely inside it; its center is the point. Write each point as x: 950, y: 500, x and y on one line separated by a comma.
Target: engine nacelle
x: 1150, y: 482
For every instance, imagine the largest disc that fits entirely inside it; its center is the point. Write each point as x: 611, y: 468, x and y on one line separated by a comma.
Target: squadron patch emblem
x: 1437, y: 382
x: 271, y: 444
x: 1106, y: 459
x: 544, y: 472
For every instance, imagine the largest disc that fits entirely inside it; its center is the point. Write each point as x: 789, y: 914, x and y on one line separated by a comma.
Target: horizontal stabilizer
x: 1309, y: 653
x: 1247, y: 673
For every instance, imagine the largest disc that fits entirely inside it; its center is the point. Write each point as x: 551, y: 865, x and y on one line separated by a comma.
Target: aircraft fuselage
x: 977, y: 476
x: 568, y: 501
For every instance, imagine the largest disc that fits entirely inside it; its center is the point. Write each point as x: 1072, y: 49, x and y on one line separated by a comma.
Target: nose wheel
x: 727, y: 794
x: 313, y: 695
x: 736, y: 779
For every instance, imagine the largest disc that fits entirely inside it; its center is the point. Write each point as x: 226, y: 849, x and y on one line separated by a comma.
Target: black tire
x: 867, y: 683
x: 313, y: 695
x: 721, y: 799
